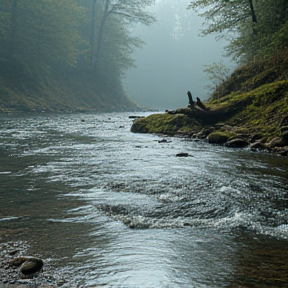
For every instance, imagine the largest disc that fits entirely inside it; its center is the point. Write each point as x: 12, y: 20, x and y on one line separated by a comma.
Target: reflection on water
x: 118, y: 209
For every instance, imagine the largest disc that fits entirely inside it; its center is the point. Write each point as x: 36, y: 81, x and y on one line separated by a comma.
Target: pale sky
x: 173, y: 59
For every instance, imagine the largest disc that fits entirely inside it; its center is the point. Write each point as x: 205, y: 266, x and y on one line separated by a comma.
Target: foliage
x: 253, y: 33
x: 114, y: 17
x: 51, y: 39
x: 45, y: 36
x: 218, y: 74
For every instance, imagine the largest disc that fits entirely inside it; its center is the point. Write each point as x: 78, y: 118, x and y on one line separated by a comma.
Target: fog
x: 173, y: 58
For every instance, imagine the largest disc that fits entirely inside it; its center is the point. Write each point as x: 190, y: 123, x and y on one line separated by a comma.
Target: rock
x: 182, y: 154
x: 284, y: 121
x: 18, y: 261
x: 135, y: 117
x: 284, y: 152
x: 203, y: 133
x: 31, y: 266
x: 236, y: 143
x: 257, y: 145
x: 284, y: 137
x: 164, y: 141
x: 283, y: 129
x: 28, y: 265
x: 12, y: 253
x: 255, y: 138
x: 275, y: 142
x: 217, y: 138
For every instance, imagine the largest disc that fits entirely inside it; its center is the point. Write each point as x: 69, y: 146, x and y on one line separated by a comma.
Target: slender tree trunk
x: 13, y: 33
x: 100, y: 36
x: 92, y: 36
x: 254, y: 17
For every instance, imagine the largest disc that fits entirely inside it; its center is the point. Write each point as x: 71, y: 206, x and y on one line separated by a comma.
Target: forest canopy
x: 51, y: 37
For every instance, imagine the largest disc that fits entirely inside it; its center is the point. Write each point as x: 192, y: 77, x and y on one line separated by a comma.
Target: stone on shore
x: 31, y: 266
x: 236, y: 143
x: 217, y: 138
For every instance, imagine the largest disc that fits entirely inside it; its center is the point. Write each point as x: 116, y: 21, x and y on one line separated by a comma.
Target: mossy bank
x: 255, y: 117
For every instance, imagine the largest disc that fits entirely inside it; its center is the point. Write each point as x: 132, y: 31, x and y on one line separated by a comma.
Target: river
x: 115, y: 209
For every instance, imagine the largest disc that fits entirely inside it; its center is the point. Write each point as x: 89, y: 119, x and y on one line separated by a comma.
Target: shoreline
x: 221, y: 134
x: 11, y: 277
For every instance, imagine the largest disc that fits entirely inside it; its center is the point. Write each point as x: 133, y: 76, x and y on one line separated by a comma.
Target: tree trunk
x: 92, y: 37
x: 100, y: 36
x: 254, y: 17
x: 13, y: 34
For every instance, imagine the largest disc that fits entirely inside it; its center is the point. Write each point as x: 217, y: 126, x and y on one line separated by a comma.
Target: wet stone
x: 31, y: 266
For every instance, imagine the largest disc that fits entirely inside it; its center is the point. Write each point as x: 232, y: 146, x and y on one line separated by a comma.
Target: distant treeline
x: 40, y: 38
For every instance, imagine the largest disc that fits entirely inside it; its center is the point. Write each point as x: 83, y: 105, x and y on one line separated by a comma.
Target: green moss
x: 164, y: 124
x: 218, y: 137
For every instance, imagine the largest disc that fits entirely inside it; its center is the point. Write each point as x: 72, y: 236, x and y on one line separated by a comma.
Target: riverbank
x: 181, y: 125
x: 78, y: 92
x: 249, y: 109
x: 257, y: 119
x: 11, y: 276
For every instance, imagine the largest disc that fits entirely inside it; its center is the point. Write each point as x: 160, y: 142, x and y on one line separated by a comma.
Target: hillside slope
x: 62, y: 94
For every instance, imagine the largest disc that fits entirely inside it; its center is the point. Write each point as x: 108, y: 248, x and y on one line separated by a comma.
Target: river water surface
x: 115, y: 209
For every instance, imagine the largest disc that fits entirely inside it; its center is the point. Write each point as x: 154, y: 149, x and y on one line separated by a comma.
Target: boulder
x: 31, y: 266
x: 275, y: 142
x: 236, y: 143
x: 255, y: 137
x: 203, y: 133
x: 217, y: 138
x: 257, y: 145
x: 28, y: 265
x: 283, y: 129
x: 284, y: 137
x: 284, y: 121
x: 284, y: 152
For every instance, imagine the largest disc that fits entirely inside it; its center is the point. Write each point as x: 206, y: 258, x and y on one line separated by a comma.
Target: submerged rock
x: 182, y: 154
x: 164, y: 141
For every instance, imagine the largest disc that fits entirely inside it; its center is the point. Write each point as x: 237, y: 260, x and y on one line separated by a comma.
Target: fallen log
x: 210, y: 117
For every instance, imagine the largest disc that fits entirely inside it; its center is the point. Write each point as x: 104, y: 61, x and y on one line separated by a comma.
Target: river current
x: 116, y: 209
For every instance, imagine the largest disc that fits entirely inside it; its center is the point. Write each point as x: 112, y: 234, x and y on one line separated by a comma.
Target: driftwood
x: 200, y: 104
x: 201, y: 113
x: 191, y: 102
x: 203, y: 116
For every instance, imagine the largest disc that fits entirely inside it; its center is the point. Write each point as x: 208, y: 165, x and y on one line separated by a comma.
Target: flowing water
x: 116, y: 209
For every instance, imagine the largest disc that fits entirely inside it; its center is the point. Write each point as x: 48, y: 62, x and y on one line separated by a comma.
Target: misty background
x: 173, y: 59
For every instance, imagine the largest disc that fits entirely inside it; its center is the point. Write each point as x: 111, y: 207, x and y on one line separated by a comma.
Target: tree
x: 248, y: 39
x: 218, y: 74
x: 43, y: 35
x: 126, y: 12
